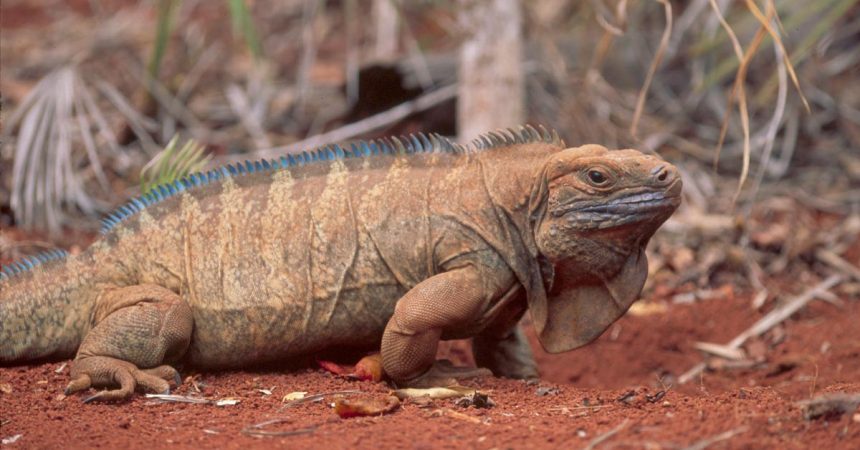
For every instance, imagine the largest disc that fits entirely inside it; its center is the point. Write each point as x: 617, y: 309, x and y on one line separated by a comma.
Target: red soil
x: 626, y: 379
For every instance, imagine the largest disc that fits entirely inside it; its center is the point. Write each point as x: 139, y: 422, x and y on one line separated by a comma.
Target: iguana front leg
x: 137, y: 328
x: 508, y: 355
x: 442, y: 302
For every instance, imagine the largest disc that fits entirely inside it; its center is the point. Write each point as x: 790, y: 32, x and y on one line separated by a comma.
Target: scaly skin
x: 391, y: 252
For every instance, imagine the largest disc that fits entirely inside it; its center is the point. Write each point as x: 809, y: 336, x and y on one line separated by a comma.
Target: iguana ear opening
x: 574, y: 317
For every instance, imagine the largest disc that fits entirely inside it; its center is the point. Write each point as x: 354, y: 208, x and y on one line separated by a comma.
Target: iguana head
x: 597, y: 211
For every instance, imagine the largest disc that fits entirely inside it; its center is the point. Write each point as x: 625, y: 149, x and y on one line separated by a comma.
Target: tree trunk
x: 491, y: 90
x: 387, y: 23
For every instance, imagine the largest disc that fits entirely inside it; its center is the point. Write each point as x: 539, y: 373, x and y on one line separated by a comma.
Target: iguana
x: 393, y: 244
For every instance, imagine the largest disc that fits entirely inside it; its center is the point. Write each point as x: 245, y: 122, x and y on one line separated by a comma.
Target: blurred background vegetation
x: 757, y: 102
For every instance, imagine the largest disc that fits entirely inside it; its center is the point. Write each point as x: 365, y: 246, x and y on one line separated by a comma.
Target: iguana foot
x: 509, y: 356
x: 443, y: 373
x: 99, y: 371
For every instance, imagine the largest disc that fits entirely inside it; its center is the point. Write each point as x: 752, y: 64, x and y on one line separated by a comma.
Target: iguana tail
x: 45, y: 306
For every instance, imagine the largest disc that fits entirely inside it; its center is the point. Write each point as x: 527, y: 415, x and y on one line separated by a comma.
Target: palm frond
x: 46, y: 176
x: 172, y: 163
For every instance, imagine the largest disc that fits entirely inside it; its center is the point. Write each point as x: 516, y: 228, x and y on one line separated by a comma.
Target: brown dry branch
x: 354, y: 129
x: 837, y: 262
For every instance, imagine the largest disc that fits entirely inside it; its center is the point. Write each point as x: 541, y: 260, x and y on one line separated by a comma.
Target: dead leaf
x: 359, y: 407
x: 455, y: 415
x: 681, y: 258
x: 436, y: 392
x: 773, y: 235
x: 332, y: 367
x: 369, y: 368
x: 298, y: 395
x: 6, y: 388
x: 229, y: 401
x: 422, y: 402
x: 476, y: 400
x: 11, y: 439
x: 546, y: 390
x: 647, y: 308
x: 656, y: 397
x: 830, y: 406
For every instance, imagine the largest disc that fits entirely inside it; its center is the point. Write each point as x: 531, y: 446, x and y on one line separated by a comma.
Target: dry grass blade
x: 139, y: 124
x: 743, y: 109
x: 600, y: 13
x: 609, y: 33
x: 739, y: 92
x: 664, y: 43
x: 241, y: 106
x: 777, y: 39
x: 312, y: 9
x: 772, y: 129
x: 739, y: 53
x: 352, y: 50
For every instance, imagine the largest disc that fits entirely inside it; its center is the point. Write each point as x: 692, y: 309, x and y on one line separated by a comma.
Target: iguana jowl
x: 392, y: 243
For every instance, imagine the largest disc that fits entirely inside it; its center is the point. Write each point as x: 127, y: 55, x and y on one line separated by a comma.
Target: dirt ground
x: 619, y: 392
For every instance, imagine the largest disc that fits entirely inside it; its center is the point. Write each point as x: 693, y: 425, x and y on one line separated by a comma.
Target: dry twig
x: 603, y: 437
x: 257, y: 429
x: 705, y: 443
x: 356, y: 128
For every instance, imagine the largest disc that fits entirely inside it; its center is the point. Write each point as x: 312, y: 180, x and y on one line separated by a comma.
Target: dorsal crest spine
x: 412, y: 144
x: 29, y: 262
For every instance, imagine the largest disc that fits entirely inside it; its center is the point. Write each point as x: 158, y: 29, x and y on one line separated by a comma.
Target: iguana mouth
x: 631, y: 208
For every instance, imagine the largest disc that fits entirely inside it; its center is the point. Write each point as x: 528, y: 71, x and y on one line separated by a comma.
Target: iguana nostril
x: 661, y: 173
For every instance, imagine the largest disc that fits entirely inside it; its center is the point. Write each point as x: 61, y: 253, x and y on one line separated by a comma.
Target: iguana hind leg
x: 137, y: 328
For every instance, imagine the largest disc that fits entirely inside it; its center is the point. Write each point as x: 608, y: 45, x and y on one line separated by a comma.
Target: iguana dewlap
x: 392, y: 244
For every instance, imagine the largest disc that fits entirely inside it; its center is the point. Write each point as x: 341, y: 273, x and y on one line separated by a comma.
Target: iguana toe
x: 101, y: 371
x: 443, y: 373
x: 166, y: 373
x: 78, y: 384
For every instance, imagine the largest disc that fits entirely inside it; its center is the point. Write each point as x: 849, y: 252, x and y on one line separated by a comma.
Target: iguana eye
x: 597, y: 177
